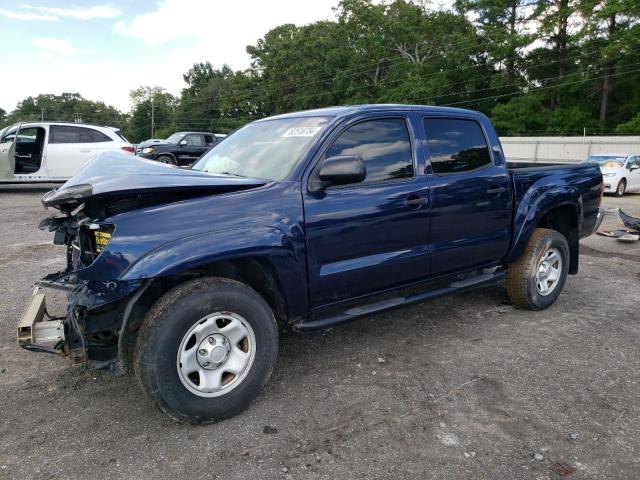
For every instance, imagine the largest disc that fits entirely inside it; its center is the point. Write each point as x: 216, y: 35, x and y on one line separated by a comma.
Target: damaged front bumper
x: 92, y: 331
x: 38, y: 333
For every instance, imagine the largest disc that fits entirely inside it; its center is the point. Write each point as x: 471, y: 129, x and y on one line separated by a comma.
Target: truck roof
x: 377, y: 107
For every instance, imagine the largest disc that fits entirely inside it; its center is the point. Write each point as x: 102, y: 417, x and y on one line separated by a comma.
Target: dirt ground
x: 461, y: 387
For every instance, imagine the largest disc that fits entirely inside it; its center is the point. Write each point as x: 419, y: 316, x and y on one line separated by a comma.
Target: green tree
x: 502, y: 25
x: 68, y: 107
x: 151, y: 104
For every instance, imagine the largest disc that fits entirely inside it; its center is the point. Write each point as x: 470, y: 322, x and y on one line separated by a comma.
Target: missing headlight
x: 92, y: 240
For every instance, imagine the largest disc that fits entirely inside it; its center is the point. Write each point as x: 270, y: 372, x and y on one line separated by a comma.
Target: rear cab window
x: 456, y: 145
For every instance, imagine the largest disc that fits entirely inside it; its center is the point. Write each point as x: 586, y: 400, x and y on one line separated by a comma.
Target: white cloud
x: 219, y: 31
x: 80, y: 13
x: 177, y: 33
x: 13, y: 15
x: 54, y: 45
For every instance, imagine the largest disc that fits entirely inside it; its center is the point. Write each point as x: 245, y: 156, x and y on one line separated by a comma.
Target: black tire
x: 171, y: 318
x: 522, y: 281
x: 168, y: 159
x: 621, y: 188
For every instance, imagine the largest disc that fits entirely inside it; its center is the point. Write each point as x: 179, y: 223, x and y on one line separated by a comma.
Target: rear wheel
x: 621, y: 188
x: 536, y: 279
x: 206, y: 349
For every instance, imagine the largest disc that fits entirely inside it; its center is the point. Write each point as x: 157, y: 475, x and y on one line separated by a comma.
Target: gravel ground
x: 461, y: 387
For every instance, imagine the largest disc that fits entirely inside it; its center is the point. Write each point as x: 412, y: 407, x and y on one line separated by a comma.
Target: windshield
x: 175, y: 138
x: 267, y: 149
x: 607, y: 161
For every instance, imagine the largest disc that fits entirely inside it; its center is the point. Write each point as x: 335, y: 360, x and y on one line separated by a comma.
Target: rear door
x: 69, y: 148
x: 372, y: 235
x: 470, y: 193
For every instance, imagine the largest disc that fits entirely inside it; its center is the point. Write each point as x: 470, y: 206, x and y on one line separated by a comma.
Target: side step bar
x: 393, y: 303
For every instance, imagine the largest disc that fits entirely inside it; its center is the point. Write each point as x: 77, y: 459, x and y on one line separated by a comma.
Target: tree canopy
x: 534, y: 66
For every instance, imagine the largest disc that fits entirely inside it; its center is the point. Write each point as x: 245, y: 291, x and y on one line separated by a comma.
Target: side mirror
x: 182, y: 143
x: 341, y: 170
x: 634, y: 167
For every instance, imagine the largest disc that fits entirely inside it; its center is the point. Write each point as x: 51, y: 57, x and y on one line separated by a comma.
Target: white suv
x: 620, y: 173
x: 53, y: 151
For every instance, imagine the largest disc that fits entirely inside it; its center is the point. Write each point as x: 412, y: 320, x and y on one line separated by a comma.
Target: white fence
x: 565, y: 149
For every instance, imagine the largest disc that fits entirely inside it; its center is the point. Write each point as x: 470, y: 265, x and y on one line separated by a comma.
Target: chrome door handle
x: 416, y: 202
x: 495, y: 190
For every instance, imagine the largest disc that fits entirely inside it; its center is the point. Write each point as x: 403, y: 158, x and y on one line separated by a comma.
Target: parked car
x: 621, y: 173
x: 304, y: 221
x: 53, y: 151
x: 181, y: 148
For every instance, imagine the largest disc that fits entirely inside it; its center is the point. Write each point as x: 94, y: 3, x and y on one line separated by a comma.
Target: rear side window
x: 456, y: 145
x: 69, y: 134
x: 383, y: 144
x: 97, y: 136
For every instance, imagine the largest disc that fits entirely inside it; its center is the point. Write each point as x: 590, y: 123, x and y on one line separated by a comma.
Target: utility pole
x: 153, y: 123
x: 42, y: 114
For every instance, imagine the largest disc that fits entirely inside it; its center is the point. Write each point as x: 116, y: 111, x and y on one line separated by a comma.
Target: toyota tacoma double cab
x: 180, y: 148
x: 300, y: 221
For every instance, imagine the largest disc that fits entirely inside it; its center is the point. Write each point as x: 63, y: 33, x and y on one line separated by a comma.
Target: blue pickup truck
x: 300, y: 221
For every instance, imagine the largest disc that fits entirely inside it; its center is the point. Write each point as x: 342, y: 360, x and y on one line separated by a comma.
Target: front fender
x: 533, y: 206
x: 202, y: 249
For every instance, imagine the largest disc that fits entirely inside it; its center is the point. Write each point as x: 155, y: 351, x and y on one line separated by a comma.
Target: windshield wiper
x: 232, y: 174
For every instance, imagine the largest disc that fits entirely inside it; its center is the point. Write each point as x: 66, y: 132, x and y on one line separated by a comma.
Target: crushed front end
x: 90, y: 330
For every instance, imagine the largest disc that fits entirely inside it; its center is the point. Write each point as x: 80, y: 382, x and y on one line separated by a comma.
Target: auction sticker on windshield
x: 301, y: 132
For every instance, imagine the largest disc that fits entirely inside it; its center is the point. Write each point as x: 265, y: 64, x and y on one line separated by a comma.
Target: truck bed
x: 531, y: 180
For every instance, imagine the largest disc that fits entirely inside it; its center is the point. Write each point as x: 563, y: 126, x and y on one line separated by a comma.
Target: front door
x: 633, y: 173
x: 191, y: 148
x: 471, y: 196
x: 373, y: 235
x: 7, y: 154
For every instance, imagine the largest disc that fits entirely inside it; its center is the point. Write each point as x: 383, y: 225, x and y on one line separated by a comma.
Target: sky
x: 105, y: 50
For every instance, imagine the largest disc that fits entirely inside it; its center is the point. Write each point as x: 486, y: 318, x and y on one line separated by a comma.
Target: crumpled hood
x: 118, y: 174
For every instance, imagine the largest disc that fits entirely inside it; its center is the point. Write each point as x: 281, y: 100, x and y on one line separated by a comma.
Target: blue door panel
x: 364, y: 238
x: 469, y: 227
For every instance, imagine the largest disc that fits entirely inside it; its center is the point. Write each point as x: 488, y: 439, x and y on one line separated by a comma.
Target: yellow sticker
x: 102, y: 239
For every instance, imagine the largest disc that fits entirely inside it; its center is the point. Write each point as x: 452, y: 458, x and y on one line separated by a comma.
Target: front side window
x: 69, y: 134
x: 193, y: 139
x: 383, y: 144
x: 8, y: 136
x: 455, y: 145
x: 208, y: 139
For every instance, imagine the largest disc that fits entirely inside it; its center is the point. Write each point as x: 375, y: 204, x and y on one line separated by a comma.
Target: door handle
x: 498, y: 190
x: 85, y: 150
x: 416, y: 202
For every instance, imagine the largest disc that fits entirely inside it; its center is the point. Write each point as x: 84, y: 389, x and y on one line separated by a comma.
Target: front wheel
x: 536, y: 279
x: 206, y: 349
x: 169, y: 160
x: 621, y: 188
